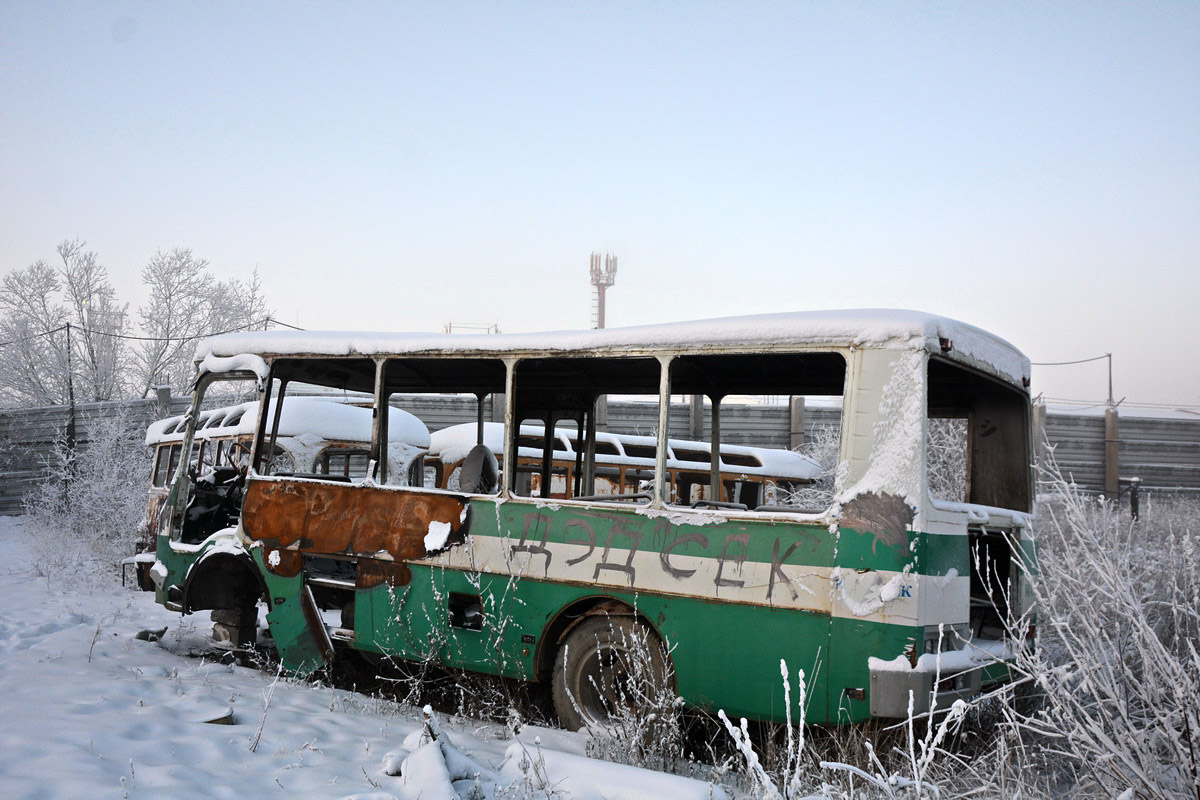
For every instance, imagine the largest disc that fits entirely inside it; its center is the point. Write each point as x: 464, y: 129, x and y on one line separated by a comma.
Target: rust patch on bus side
x: 154, y: 507
x: 372, y: 573
x: 311, y: 517
x: 887, y: 517
x: 287, y: 563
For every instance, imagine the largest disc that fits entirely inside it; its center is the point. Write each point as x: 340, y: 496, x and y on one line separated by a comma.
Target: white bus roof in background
x: 882, y: 328
x: 452, y: 444
x: 327, y: 419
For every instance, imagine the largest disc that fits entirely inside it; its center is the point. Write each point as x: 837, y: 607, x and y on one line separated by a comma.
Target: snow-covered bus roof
x: 882, y: 328
x: 327, y: 419
x: 452, y: 444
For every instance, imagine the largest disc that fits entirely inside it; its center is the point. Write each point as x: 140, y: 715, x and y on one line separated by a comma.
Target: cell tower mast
x: 602, y: 279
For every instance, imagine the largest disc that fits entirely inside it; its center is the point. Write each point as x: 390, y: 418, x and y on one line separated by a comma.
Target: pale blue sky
x: 1032, y: 168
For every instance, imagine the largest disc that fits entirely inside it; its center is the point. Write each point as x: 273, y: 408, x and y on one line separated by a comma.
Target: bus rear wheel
x: 608, y: 667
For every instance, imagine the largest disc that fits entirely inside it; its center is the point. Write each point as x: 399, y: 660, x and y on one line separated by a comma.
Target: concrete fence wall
x: 1164, y: 453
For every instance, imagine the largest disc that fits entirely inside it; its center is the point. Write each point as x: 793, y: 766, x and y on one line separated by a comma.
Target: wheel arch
x: 222, y: 580
x: 571, y: 615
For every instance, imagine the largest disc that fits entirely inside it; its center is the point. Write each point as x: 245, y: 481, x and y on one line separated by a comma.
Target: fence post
x: 696, y: 417
x: 1039, y: 435
x: 796, y: 423
x: 162, y: 402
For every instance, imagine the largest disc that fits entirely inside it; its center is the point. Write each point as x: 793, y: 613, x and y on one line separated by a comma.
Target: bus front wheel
x: 609, y: 668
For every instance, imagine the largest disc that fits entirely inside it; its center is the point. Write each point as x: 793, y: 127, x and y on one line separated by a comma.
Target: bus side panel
x: 415, y: 621
x: 296, y: 626
x: 857, y: 641
x: 726, y: 656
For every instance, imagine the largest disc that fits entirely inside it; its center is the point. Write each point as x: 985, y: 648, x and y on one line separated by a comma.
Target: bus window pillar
x: 379, y: 425
x: 714, y: 475
x: 589, y: 457
x: 479, y: 397
x: 264, y: 462
x: 547, y: 453
x: 577, y: 477
x: 664, y: 424
x: 510, y: 428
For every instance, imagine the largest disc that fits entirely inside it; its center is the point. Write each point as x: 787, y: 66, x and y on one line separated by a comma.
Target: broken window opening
x: 977, y: 447
x: 564, y: 446
x: 741, y: 474
x: 475, y: 449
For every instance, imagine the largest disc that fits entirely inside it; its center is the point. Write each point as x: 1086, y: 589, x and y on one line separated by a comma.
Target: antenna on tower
x: 602, y: 278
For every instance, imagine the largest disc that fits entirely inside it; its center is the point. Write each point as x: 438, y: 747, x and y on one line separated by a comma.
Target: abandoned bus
x: 624, y: 465
x: 908, y: 551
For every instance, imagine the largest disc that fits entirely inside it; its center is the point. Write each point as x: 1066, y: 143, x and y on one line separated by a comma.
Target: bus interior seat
x: 480, y: 472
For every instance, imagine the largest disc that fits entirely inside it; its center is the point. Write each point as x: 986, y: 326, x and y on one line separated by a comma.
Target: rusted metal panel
x: 285, y: 563
x: 886, y: 517
x: 313, y: 517
x: 154, y: 507
x: 372, y: 573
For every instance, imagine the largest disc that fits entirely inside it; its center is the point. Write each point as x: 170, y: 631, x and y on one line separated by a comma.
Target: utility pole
x: 1112, y: 442
x: 70, y: 471
x: 70, y: 394
x: 602, y: 278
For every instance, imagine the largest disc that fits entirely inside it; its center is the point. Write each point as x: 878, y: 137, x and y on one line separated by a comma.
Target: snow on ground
x: 90, y: 710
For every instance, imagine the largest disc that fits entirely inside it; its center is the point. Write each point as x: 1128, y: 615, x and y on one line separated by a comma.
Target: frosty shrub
x: 643, y: 728
x: 913, y: 760
x: 86, y: 514
x: 946, y: 458
x: 946, y: 447
x: 821, y: 445
x: 1105, y: 704
x: 1117, y: 667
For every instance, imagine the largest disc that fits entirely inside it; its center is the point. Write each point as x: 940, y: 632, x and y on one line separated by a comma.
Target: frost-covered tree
x: 187, y: 303
x: 33, y: 356
x: 60, y: 322
x: 86, y: 515
x: 99, y: 354
x: 63, y: 333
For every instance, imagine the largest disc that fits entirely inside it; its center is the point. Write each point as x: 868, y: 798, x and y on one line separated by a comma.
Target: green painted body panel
x: 298, y: 649
x: 999, y: 672
x: 852, y: 643
x: 726, y: 655
x: 939, y: 554
x: 534, y: 527
x: 177, y: 565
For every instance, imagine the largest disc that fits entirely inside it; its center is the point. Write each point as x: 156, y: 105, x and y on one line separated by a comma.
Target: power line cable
x: 130, y: 337
x: 34, y: 336
x: 238, y: 329
x: 1067, y: 363
x: 284, y: 324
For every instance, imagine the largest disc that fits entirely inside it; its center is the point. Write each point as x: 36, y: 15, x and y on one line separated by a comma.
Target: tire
x: 603, y: 668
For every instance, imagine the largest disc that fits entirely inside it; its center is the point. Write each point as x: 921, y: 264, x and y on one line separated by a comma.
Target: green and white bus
x: 895, y: 581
